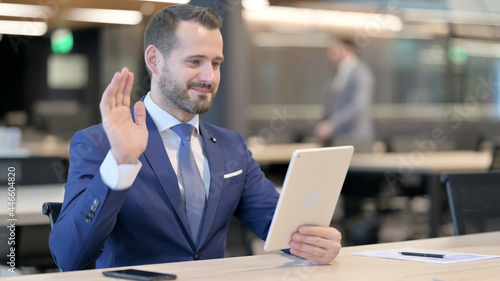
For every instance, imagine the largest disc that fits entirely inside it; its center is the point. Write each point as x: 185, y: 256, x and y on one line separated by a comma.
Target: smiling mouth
x: 201, y: 91
x: 201, y: 87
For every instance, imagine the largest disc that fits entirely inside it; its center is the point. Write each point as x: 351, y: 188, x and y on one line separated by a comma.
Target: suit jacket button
x: 88, y: 218
x: 197, y: 256
x: 95, y: 204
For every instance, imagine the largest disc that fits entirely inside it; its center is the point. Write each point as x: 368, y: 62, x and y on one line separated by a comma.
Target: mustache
x: 209, y: 87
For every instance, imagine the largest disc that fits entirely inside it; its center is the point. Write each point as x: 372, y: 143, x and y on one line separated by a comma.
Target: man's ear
x: 153, y: 57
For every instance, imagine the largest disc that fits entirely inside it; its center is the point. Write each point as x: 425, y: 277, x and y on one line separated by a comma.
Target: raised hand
x: 128, y: 139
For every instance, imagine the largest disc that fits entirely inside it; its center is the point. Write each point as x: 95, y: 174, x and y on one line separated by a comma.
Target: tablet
x: 310, y: 192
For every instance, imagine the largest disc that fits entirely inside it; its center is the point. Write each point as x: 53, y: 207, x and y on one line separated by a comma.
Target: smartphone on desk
x: 141, y: 275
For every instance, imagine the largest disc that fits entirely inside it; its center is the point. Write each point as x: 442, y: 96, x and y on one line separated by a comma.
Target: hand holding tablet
x: 308, y: 198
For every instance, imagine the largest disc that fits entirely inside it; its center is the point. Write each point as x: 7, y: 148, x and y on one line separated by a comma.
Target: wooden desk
x: 345, y: 267
x: 29, y: 200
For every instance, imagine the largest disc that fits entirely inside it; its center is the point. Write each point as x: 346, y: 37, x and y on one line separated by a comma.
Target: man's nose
x: 208, y: 74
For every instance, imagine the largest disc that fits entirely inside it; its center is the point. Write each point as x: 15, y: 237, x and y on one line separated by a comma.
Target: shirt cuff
x: 118, y: 177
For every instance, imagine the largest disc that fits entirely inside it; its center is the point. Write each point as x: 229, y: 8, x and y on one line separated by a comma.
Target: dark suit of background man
x: 347, y: 112
x: 124, y: 203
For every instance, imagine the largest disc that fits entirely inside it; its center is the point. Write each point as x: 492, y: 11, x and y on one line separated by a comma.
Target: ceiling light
x: 290, y: 15
x: 451, y: 16
x: 477, y: 48
x: 255, y: 4
x: 268, y: 39
x: 24, y: 11
x: 168, y: 1
x: 28, y: 28
x: 102, y: 16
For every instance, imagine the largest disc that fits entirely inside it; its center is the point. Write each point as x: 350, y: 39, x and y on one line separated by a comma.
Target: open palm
x: 128, y: 139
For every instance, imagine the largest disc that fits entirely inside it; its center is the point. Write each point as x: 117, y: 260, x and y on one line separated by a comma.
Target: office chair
x: 473, y: 199
x: 52, y: 210
x: 495, y: 159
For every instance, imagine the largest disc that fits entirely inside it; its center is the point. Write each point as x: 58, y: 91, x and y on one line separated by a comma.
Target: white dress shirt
x: 119, y: 177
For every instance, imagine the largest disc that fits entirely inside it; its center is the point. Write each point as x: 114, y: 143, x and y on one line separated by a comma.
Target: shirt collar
x: 346, y: 65
x: 163, y: 119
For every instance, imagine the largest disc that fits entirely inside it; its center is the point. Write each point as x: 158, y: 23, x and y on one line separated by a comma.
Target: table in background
x: 345, y: 267
x: 392, y: 165
x: 29, y: 200
x: 436, y: 162
x: 401, y: 162
x: 32, y: 228
x: 429, y: 165
x: 277, y: 153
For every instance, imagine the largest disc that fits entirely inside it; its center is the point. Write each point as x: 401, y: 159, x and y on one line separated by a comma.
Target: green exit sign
x: 61, y: 41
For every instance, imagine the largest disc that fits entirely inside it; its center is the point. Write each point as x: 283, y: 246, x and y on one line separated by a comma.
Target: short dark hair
x: 349, y: 44
x: 161, y: 29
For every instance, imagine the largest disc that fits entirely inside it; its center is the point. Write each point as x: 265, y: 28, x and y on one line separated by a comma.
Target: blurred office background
x: 436, y: 66
x: 435, y: 62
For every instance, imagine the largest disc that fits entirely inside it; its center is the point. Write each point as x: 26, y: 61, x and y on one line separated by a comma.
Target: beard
x: 176, y: 93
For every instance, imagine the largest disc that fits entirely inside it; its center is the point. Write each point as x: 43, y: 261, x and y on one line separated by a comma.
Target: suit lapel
x: 216, y: 164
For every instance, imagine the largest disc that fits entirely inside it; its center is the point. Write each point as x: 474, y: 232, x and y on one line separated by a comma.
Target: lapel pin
x: 214, y: 140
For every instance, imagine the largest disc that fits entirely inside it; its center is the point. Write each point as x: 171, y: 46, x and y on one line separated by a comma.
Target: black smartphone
x: 134, y: 274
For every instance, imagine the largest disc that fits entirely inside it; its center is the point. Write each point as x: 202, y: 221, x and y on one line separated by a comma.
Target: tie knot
x: 184, y: 131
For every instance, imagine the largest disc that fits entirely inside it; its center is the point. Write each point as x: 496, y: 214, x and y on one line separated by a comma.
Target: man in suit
x: 128, y: 200
x: 347, y: 119
x: 347, y: 111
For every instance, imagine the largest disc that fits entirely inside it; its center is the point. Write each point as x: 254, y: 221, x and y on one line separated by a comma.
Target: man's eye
x: 194, y: 62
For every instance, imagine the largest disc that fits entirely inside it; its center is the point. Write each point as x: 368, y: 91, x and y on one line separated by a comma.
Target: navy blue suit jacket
x: 147, y: 223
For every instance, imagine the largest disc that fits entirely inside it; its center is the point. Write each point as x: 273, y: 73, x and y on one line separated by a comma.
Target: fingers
x: 320, y: 231
x: 128, y: 89
x: 317, y: 258
x: 318, y: 244
x: 108, y: 97
x: 124, y: 77
x: 140, y: 113
x: 118, y: 91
